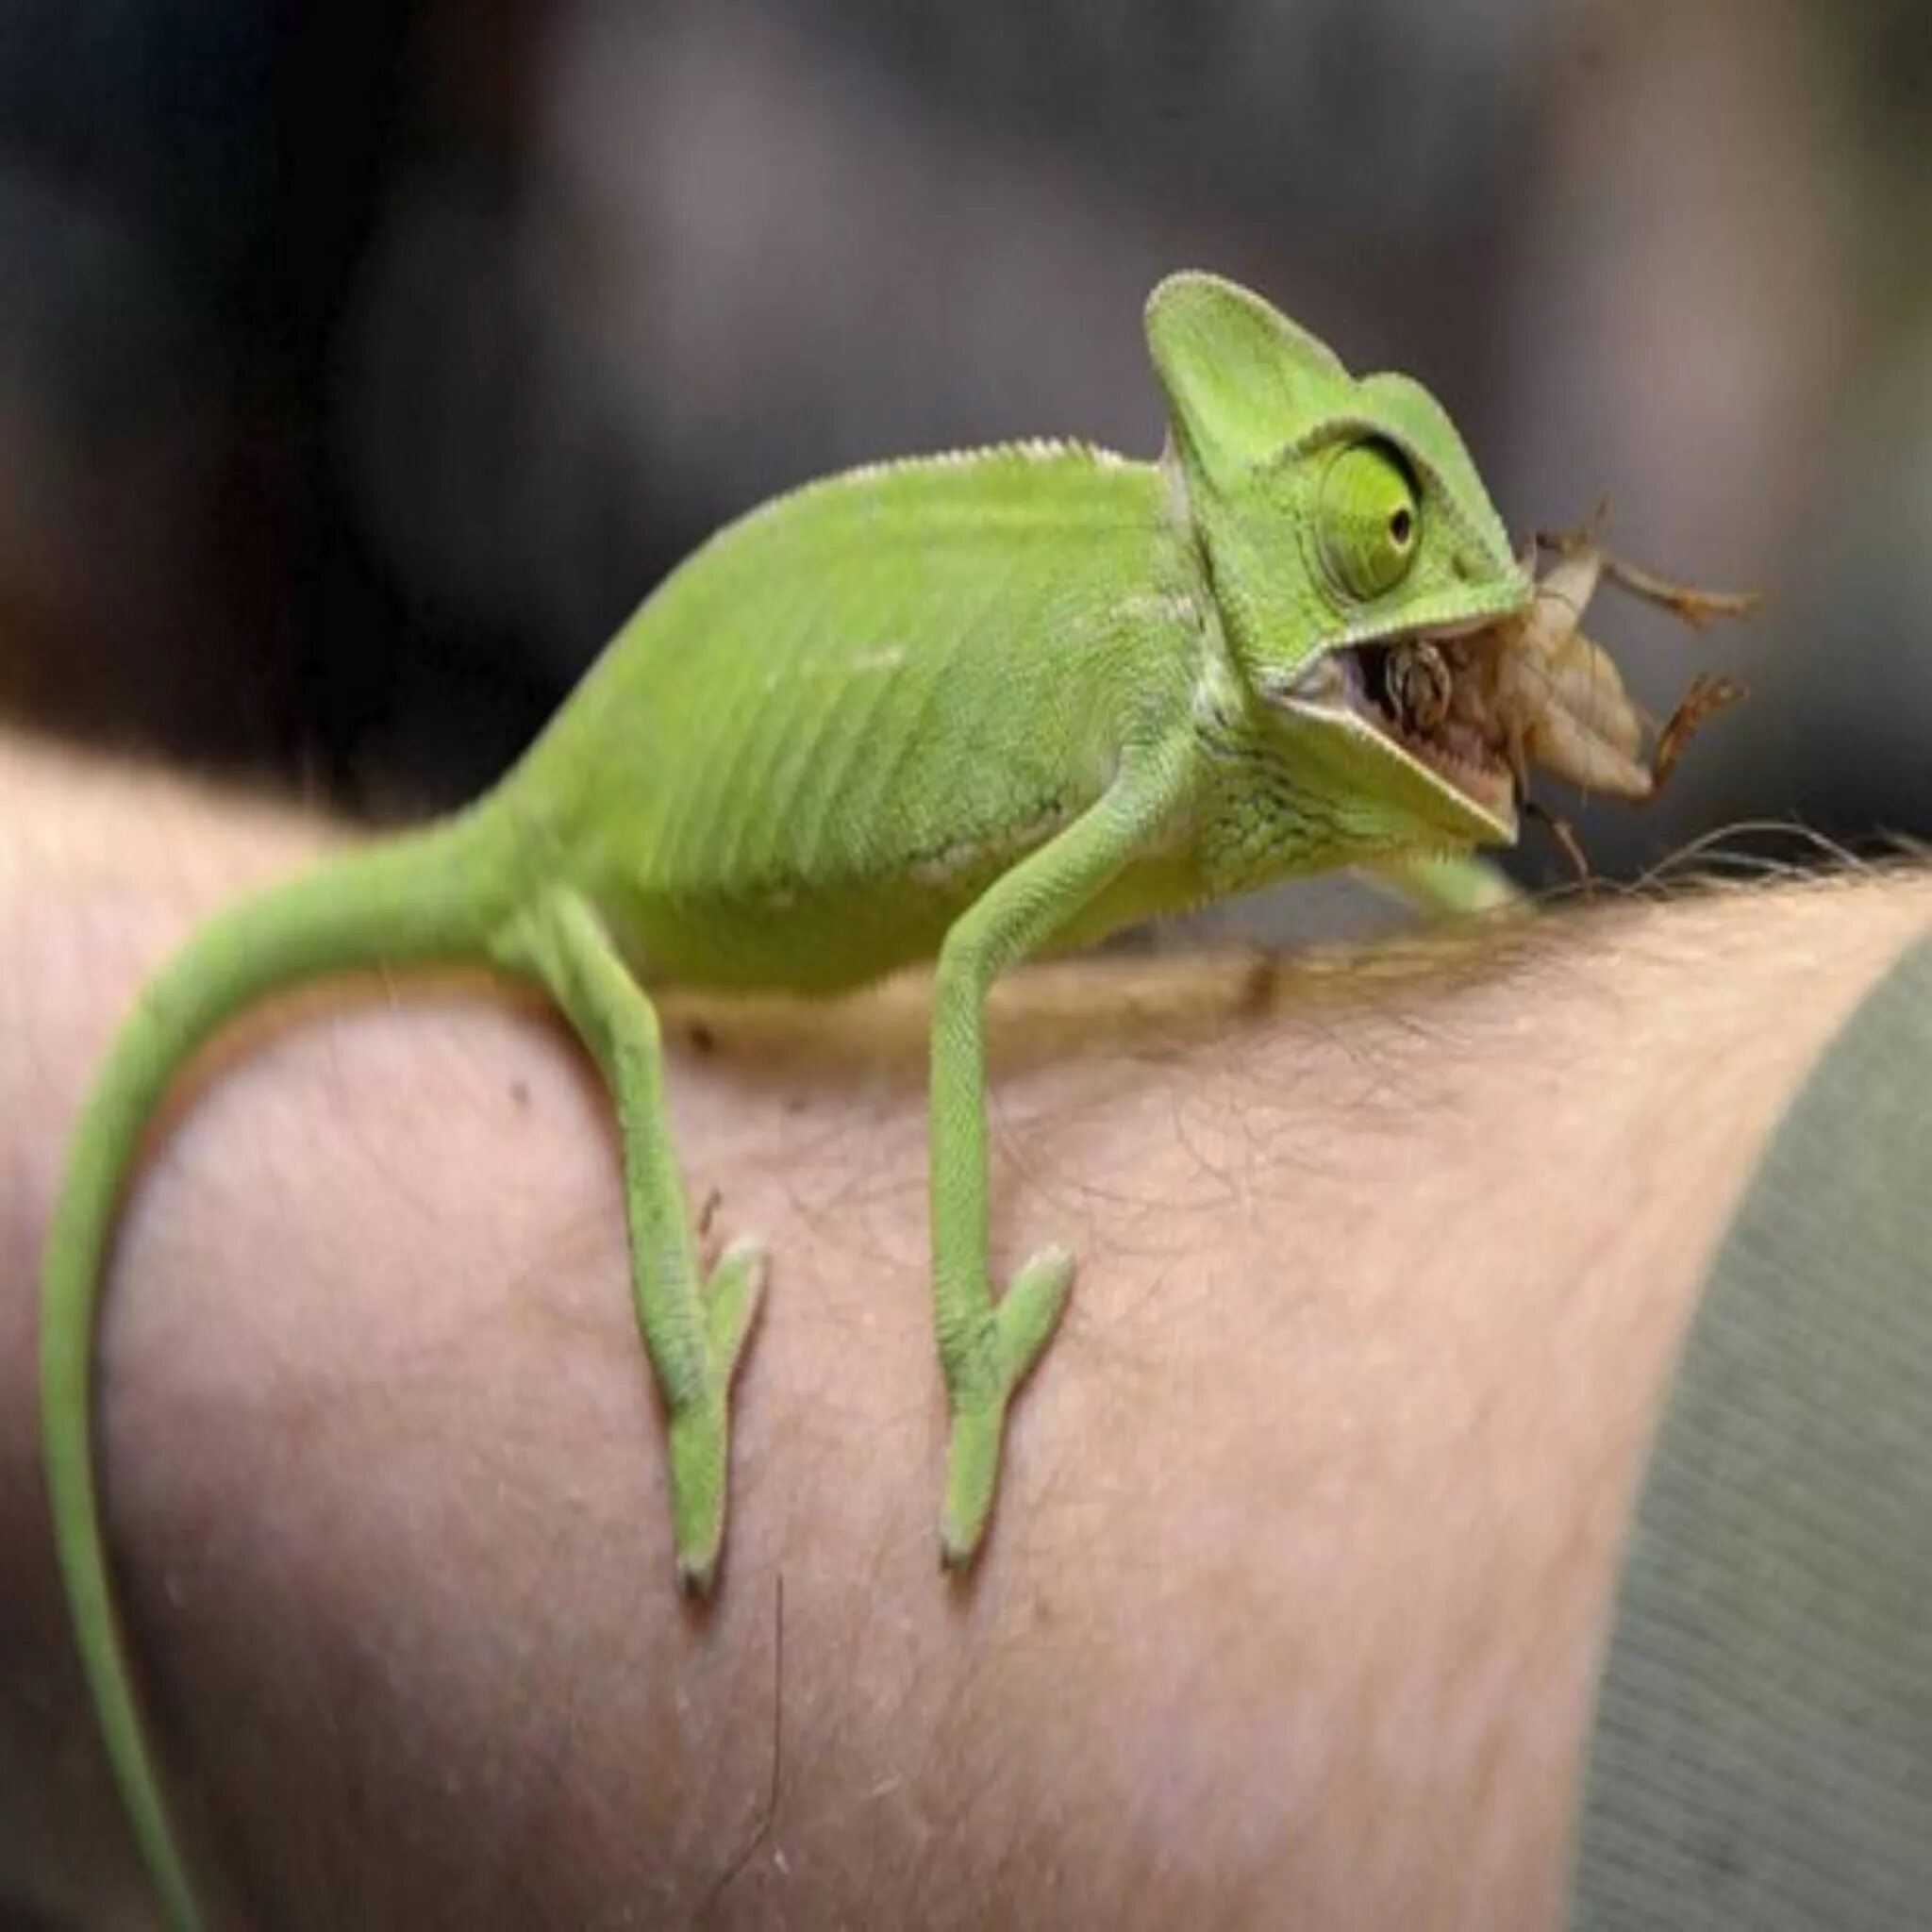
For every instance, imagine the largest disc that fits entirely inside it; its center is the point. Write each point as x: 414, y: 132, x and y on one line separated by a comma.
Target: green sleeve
x: 1762, y: 1750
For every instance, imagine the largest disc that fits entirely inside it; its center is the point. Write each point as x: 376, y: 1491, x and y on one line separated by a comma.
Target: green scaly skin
x: 959, y: 707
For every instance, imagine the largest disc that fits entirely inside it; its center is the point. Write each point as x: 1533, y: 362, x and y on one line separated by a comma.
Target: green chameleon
x: 960, y: 707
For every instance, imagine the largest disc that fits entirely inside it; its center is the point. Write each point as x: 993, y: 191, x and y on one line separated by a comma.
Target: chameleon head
x: 1339, y: 518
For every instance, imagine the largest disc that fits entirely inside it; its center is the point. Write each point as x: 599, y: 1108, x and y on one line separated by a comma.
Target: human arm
x: 1293, y: 1603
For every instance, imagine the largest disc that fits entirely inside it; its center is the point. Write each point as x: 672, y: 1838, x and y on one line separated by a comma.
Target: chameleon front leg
x: 986, y: 1348
x: 1449, y: 885
x: 693, y: 1330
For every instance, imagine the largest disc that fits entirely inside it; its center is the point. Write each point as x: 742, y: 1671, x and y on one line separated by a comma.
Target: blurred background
x: 362, y: 366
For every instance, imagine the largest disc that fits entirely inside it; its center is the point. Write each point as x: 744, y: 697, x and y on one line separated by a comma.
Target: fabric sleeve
x: 1762, y: 1751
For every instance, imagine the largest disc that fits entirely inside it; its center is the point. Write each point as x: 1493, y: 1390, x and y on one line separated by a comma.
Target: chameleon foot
x: 1012, y: 1340
x: 700, y: 1433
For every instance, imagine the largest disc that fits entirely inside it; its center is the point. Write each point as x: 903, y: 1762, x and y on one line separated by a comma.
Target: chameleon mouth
x: 1405, y: 690
x: 1480, y: 705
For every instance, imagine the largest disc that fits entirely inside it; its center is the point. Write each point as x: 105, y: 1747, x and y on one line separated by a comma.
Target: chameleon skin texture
x: 961, y: 707
x: 966, y: 648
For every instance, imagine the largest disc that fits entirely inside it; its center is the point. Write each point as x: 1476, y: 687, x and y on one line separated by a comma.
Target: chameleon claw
x: 1029, y: 1311
x: 1012, y: 1342
x: 700, y: 1447
x: 700, y: 1435
x: 734, y: 1298
x: 972, y: 1469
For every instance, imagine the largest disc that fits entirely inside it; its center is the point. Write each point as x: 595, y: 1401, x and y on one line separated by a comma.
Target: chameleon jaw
x: 1357, y: 681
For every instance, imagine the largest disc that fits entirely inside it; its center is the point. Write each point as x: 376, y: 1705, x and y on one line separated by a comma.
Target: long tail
x: 424, y: 897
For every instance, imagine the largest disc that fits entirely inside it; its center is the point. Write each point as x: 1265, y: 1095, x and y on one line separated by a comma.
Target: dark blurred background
x: 361, y: 367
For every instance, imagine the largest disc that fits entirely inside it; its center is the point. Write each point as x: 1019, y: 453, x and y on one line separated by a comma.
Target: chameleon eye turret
x: 1368, y: 521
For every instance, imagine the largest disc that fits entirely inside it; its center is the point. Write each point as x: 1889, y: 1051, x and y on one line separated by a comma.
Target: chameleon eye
x: 1368, y: 521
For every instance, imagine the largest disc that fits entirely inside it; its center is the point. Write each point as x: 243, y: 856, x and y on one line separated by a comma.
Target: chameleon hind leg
x: 695, y: 1329
x: 986, y: 1348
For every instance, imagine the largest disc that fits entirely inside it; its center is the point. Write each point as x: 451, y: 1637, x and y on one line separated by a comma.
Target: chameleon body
x: 961, y: 707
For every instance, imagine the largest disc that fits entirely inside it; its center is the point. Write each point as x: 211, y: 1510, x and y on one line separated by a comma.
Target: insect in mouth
x: 1533, y: 692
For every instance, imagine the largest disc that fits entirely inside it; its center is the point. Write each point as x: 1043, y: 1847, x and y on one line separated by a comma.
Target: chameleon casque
x: 958, y: 707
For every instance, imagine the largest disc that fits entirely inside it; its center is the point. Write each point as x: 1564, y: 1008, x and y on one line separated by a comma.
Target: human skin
x: 1301, y: 1575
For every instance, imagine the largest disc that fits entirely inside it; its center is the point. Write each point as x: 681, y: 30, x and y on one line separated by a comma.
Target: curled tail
x: 424, y: 897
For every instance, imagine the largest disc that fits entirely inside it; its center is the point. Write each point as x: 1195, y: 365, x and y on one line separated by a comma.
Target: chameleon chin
x: 1101, y: 689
